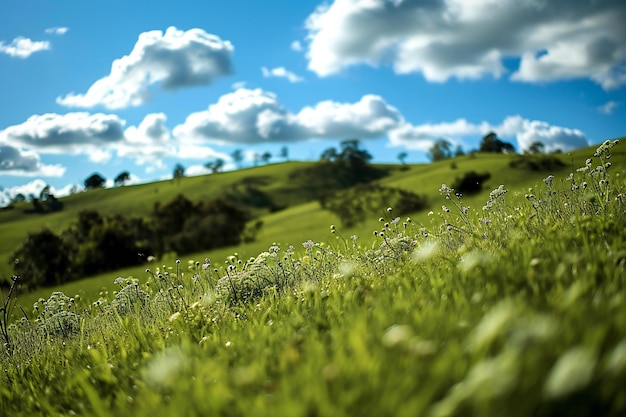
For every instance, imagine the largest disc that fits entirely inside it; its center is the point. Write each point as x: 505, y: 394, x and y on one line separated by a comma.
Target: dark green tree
x: 179, y: 172
x: 402, y: 156
x: 95, y: 180
x: 237, y: 156
x: 122, y: 178
x: 215, y: 166
x: 43, y: 259
x: 442, y: 149
x: 536, y: 147
x: 491, y: 143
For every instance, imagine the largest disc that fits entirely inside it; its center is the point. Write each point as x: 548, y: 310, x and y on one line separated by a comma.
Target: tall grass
x: 516, y: 307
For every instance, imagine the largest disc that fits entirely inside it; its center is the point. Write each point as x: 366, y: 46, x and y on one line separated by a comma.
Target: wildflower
x: 274, y: 249
x: 445, y: 191
x: 446, y: 209
x: 548, y: 180
x: 389, y: 209
x: 309, y: 244
x: 500, y: 191
x: 206, y: 264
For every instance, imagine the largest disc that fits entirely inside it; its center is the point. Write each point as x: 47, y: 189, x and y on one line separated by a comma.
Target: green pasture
x: 300, y: 221
x: 515, y: 309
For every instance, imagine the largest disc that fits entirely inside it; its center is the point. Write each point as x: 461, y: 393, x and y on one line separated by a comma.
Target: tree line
x: 97, y: 243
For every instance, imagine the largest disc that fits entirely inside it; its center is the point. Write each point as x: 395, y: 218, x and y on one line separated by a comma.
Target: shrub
x: 537, y: 163
x: 43, y: 259
x: 470, y: 183
x: 356, y: 204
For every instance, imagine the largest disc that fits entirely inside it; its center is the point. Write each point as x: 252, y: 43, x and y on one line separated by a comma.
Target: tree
x: 442, y: 149
x: 284, y: 153
x: 491, y: 143
x: 43, y: 259
x: 44, y: 193
x: 459, y: 151
x: 19, y: 198
x: 237, y: 156
x: 265, y: 157
x: 536, y: 147
x: 95, y: 180
x: 179, y: 172
x: 402, y: 156
x: 329, y: 155
x: 122, y: 178
x: 215, y: 166
x: 352, y: 155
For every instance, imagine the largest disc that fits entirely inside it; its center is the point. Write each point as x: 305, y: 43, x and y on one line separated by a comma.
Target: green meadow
x: 507, y: 302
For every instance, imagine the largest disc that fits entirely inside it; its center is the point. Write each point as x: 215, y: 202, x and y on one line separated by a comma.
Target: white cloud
x: 553, y: 137
x: 22, y: 47
x: 196, y: 170
x: 441, y: 39
x: 73, y: 133
x: 172, y: 60
x: 16, y: 161
x: 281, y: 72
x: 57, y: 30
x: 34, y: 188
x: 149, y: 142
x: 608, y: 107
x: 296, y: 46
x: 250, y: 116
x: 422, y: 137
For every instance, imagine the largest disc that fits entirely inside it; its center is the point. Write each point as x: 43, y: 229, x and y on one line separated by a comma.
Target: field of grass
x: 299, y: 222
x: 514, y: 306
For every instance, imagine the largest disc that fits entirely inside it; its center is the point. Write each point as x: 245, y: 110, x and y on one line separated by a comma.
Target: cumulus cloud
x: 56, y: 30
x: 608, y: 107
x: 524, y: 131
x: 16, y: 161
x: 148, y: 142
x: 172, y: 60
x: 553, y: 137
x: 250, y: 116
x: 22, y: 47
x: 422, y: 137
x: 73, y: 133
x: 281, y: 72
x: 34, y: 187
x: 441, y: 39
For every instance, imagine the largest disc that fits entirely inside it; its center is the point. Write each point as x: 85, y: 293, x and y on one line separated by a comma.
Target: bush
x: 43, y: 259
x: 183, y: 226
x: 470, y: 183
x: 356, y: 204
x: 537, y: 163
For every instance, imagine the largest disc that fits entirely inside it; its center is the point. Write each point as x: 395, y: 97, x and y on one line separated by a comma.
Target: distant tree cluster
x: 363, y: 201
x: 337, y: 170
x: 97, y: 243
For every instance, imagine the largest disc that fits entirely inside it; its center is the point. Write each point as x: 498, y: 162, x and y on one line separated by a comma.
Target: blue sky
x: 143, y: 85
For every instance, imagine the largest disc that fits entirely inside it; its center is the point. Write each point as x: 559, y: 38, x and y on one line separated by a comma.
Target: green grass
x: 523, y: 315
x: 299, y: 222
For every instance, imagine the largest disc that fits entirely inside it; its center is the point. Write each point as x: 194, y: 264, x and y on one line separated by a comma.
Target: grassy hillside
x: 299, y: 222
x: 517, y: 309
